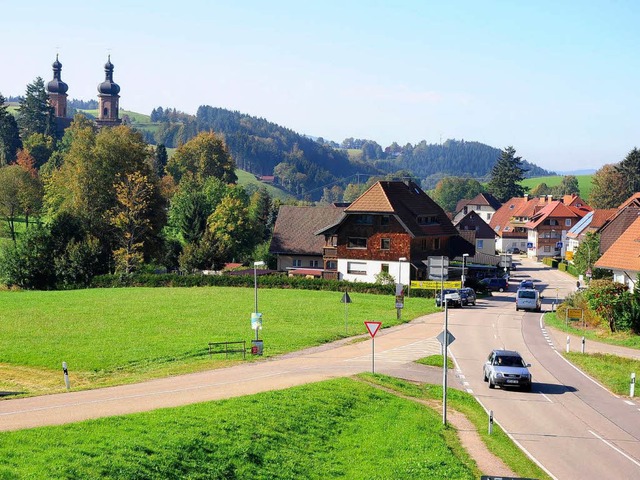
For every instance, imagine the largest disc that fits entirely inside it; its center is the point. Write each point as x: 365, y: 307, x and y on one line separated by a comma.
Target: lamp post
x: 464, y: 255
x: 255, y: 290
x: 399, y: 289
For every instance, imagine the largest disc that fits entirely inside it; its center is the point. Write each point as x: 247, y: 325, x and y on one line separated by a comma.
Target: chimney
x: 526, y: 197
x: 549, y: 198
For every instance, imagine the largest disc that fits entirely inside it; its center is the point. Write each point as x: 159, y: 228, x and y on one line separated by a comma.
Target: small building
x: 484, y: 204
x: 623, y: 257
x: 477, y: 232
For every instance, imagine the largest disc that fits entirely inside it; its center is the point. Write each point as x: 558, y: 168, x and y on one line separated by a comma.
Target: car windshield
x: 509, y: 361
x: 526, y: 294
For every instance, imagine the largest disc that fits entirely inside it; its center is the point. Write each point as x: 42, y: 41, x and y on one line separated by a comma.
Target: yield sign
x: 373, y: 327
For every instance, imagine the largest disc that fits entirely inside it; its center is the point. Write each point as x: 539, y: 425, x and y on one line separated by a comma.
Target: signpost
x: 445, y: 338
x: 433, y: 285
x: 346, y: 299
x: 372, y: 328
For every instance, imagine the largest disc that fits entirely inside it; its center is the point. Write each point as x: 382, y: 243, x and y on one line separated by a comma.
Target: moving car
x: 495, y: 284
x: 526, y: 284
x: 467, y: 296
x: 453, y: 299
x: 506, y: 368
x: 513, y: 250
x: 528, y: 299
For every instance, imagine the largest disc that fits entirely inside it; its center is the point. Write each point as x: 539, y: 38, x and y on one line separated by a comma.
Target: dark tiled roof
x: 473, y: 222
x: 296, y: 227
x: 624, y: 254
x: 483, y: 199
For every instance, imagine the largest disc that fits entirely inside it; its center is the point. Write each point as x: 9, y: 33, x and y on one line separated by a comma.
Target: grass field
x: 246, y: 178
x: 111, y: 336
x: 341, y: 428
x: 584, y: 182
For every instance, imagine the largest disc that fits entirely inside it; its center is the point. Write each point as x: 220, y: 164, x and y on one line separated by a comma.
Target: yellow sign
x: 574, y: 313
x: 568, y: 255
x: 434, y: 284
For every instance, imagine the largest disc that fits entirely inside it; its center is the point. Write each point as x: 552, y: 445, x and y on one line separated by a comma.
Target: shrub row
x: 264, y: 281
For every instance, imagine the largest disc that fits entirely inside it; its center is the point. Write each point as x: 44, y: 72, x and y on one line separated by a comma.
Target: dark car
x: 513, y: 250
x: 526, y: 284
x: 495, y: 284
x: 452, y: 297
x: 467, y: 296
x: 506, y: 368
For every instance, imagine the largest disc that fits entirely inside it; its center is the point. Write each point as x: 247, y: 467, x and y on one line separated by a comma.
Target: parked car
x: 506, y: 368
x: 515, y: 250
x: 495, y: 284
x: 527, y: 284
x: 467, y: 296
x: 528, y: 299
x: 452, y: 297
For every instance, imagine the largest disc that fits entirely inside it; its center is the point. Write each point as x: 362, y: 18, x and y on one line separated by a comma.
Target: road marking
x: 629, y: 402
x: 545, y: 396
x: 614, y: 447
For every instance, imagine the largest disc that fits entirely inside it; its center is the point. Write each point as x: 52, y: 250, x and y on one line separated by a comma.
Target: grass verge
x: 623, y: 339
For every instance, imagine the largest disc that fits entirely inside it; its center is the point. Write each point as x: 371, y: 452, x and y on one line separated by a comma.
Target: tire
x: 484, y: 377
x: 501, y: 289
x: 491, y: 384
x: 528, y: 388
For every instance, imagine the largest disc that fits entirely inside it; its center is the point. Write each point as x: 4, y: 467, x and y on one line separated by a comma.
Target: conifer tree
x: 36, y: 115
x: 506, y: 175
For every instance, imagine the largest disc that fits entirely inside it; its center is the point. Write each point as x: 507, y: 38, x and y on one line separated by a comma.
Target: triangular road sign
x: 346, y: 298
x: 373, y: 327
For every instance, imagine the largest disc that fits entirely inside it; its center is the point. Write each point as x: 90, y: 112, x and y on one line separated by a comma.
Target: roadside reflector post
x: 490, y: 422
x: 633, y: 385
x: 66, y: 375
x: 568, y: 340
x: 583, y: 344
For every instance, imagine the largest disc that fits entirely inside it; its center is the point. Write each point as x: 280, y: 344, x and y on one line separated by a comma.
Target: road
x: 571, y: 426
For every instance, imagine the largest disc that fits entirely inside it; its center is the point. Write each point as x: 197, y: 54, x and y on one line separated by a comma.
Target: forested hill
x: 305, y: 166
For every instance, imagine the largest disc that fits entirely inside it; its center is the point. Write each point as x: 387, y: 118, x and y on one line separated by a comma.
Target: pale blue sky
x: 558, y: 80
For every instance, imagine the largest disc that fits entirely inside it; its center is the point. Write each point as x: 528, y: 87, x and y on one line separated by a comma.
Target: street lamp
x: 256, y: 317
x: 464, y: 255
x: 399, y: 289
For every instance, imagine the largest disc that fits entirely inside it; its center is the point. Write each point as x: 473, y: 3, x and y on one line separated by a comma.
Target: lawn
x: 340, y: 428
x: 584, y: 183
x: 110, y: 336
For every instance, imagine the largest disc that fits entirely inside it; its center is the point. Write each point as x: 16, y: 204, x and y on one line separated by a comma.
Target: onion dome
x: 108, y: 87
x: 57, y: 85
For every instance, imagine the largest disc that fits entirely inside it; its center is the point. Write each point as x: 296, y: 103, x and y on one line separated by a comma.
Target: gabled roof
x: 633, y: 199
x: 406, y: 201
x: 555, y: 209
x: 483, y: 199
x: 295, y: 228
x: 473, y: 222
x: 624, y: 254
x: 508, y: 210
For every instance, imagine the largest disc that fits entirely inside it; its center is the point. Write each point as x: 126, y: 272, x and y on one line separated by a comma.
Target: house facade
x: 484, y: 204
x: 476, y: 231
x: 623, y: 256
x: 393, y: 227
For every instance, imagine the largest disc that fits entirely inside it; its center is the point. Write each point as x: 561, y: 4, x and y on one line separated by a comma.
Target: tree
x: 40, y: 147
x: 9, y: 135
x: 568, y: 186
x: 609, y: 300
x: 160, y: 159
x: 130, y: 217
x: 587, y: 254
x: 27, y: 262
x: 450, y: 190
x: 607, y: 188
x: 203, y: 156
x: 261, y: 215
x: 20, y: 194
x: 36, y: 115
x: 230, y: 226
x: 506, y: 175
x: 540, y: 190
x: 629, y: 168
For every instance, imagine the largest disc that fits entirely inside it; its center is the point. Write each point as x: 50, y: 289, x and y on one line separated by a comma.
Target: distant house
x: 294, y: 241
x: 590, y: 223
x: 509, y: 220
x: 617, y: 224
x: 266, y: 178
x: 484, y: 204
x: 393, y: 227
x: 477, y: 232
x: 623, y: 256
x: 547, y: 229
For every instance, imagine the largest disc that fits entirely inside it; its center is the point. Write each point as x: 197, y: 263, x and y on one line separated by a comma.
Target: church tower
x: 108, y: 108
x: 57, y: 91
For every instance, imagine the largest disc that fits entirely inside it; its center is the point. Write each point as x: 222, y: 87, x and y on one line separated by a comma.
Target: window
x: 297, y: 262
x: 547, y: 248
x: 364, y: 219
x: 334, y: 241
x: 426, y: 219
x: 436, y: 243
x: 424, y: 244
x: 567, y: 222
x: 384, y: 220
x: 357, y: 268
x: 488, y: 217
x: 356, y: 242
x: 384, y: 268
x: 479, y: 244
x: 497, y: 229
x: 332, y: 265
x: 385, y: 243
x: 314, y: 263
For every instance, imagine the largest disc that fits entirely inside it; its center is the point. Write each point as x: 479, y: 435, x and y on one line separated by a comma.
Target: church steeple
x: 57, y: 90
x: 108, y: 109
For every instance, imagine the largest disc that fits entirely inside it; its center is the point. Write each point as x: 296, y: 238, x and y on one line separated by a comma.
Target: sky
x: 557, y: 80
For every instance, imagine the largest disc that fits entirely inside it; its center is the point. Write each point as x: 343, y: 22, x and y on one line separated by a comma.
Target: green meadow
x: 343, y: 428
x: 112, y: 336
x: 584, y: 182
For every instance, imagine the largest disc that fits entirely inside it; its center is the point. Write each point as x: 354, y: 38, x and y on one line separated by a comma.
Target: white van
x: 528, y: 299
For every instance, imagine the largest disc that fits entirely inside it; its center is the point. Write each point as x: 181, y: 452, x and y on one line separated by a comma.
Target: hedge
x: 264, y: 281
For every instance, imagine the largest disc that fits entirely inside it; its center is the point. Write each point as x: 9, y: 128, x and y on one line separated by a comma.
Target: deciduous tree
x: 608, y: 188
x: 203, y: 156
x: 450, y: 190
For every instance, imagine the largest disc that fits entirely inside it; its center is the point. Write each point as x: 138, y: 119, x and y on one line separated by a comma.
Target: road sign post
x: 346, y: 299
x: 372, y: 328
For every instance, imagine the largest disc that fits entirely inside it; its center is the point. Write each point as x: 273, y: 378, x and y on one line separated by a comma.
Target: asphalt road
x: 571, y: 426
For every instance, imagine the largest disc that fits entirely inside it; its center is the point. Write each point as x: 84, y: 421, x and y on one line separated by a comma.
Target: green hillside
x: 584, y: 182
x: 246, y: 178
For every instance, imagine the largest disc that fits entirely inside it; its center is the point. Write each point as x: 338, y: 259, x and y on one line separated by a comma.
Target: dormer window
x: 426, y: 219
x: 364, y: 219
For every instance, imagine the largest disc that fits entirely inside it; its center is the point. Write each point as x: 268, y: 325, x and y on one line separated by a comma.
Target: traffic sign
x: 372, y: 327
x: 450, y: 338
x: 574, y: 313
x: 346, y: 298
x: 399, y: 301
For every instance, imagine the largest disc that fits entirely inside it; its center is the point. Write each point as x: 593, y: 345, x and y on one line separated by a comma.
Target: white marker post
x: 66, y: 375
x: 373, y: 328
x: 568, y: 340
x: 633, y: 385
x: 490, y: 422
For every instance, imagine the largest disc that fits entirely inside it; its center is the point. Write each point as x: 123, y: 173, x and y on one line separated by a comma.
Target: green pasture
x: 341, y: 428
x: 112, y: 336
x: 584, y: 182
x: 246, y: 178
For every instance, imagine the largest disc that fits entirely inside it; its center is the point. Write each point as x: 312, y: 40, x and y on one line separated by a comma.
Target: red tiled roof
x: 624, y: 254
x: 600, y: 216
x: 635, y: 198
x: 555, y: 209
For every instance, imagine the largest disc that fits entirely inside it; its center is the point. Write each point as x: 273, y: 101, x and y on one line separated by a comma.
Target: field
x: 111, y: 336
x: 584, y: 182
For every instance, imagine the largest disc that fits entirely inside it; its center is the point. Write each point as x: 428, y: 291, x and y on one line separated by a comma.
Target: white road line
x: 614, y: 447
x: 629, y: 402
x: 545, y: 396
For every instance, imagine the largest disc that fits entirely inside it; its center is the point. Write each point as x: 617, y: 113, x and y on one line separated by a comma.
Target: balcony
x: 330, y: 252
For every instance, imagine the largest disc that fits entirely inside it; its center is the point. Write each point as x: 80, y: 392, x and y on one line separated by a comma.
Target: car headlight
x: 499, y: 374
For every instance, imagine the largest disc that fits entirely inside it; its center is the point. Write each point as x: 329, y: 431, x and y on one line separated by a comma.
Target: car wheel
x: 484, y: 377
x: 501, y: 289
x: 517, y: 309
x: 527, y: 388
x: 491, y: 384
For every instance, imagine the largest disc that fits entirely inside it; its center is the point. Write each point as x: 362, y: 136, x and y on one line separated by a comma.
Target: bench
x: 228, y: 347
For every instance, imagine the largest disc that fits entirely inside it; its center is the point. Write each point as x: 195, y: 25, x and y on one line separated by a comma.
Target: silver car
x: 506, y: 368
